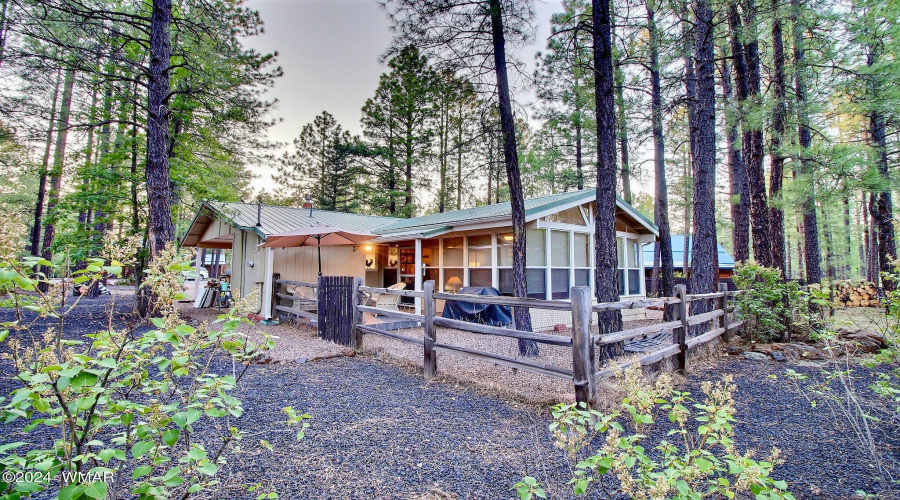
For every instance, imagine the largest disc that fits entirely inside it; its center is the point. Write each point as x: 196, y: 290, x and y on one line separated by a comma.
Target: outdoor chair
x: 301, y: 301
x: 388, y: 301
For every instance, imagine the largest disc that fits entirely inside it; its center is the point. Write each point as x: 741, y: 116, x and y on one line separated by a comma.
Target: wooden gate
x: 336, y: 309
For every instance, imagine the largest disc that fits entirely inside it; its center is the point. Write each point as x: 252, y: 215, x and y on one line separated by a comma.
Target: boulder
x: 806, y: 351
x: 867, y: 340
x: 734, y: 350
x: 755, y: 356
x: 779, y: 356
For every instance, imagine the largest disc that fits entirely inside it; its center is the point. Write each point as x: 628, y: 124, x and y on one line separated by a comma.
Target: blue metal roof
x: 726, y: 261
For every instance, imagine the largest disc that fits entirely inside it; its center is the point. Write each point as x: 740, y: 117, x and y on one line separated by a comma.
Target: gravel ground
x: 379, y: 431
x: 294, y: 341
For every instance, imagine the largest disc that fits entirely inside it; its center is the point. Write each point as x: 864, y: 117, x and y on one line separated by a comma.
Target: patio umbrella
x: 317, y: 236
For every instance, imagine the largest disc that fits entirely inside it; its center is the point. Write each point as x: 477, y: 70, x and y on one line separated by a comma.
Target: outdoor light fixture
x: 250, y: 263
x: 507, y: 237
x: 368, y: 248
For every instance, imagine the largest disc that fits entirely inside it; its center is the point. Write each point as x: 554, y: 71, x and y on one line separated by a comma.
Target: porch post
x: 198, y: 264
x: 268, y: 288
x: 418, y: 282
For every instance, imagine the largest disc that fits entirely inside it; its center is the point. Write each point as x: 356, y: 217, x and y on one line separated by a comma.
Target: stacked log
x: 856, y: 294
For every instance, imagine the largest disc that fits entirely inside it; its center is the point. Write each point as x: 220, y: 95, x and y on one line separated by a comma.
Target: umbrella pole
x: 319, y: 248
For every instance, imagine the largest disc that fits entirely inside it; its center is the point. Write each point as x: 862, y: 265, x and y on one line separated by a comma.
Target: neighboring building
x: 726, y: 261
x: 471, y: 247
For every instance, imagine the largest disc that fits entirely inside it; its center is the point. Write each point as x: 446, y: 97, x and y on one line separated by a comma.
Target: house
x: 726, y: 261
x: 471, y: 247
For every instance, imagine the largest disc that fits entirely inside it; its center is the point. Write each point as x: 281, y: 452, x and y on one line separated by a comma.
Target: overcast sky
x: 329, y: 52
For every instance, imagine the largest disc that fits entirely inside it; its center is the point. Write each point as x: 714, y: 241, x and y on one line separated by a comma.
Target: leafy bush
x: 697, y: 463
x: 771, y: 307
x: 132, y: 411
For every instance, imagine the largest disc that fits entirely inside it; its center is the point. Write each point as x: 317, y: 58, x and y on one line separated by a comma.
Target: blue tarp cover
x: 486, y: 314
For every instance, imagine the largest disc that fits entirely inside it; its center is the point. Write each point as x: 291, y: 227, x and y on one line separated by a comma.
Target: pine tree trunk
x: 810, y: 223
x: 776, y: 174
x: 690, y: 82
x: 737, y: 176
x: 159, y: 193
x: 606, y: 262
x: 746, y: 73
x: 516, y: 198
x: 863, y: 224
x: 663, y: 268
x: 622, y: 125
x: 459, y: 157
x: 579, y: 162
x: 59, y: 159
x: 846, y: 266
x: 45, y: 168
x: 829, y: 246
x: 704, y: 263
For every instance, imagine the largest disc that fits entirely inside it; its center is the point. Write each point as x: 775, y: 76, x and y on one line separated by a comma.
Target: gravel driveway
x: 379, y: 431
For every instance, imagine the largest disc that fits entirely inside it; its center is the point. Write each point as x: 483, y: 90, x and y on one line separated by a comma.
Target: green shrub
x: 134, y: 412
x: 694, y: 464
x: 771, y: 307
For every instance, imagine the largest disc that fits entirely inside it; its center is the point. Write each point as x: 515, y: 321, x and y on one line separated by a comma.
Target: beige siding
x: 301, y: 264
x: 217, y: 229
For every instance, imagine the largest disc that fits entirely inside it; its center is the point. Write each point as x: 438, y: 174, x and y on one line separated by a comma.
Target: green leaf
x: 170, y: 437
x: 95, y: 490
x: 703, y: 464
x: 70, y: 492
x: 196, y: 454
x: 83, y: 379
x: 107, y: 363
x: 140, y: 448
x: 140, y: 471
x: 209, y: 469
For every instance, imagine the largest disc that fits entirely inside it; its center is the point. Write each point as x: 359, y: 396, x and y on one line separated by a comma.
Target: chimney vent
x: 308, y: 204
x: 259, y: 212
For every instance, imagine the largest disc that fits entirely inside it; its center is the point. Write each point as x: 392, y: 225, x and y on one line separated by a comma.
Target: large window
x: 454, y: 263
x: 480, y: 260
x: 560, y: 260
x: 431, y: 260
x: 582, y: 262
x: 628, y: 253
x: 535, y: 262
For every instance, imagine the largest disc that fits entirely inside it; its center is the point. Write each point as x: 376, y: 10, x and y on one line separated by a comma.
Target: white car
x: 192, y: 274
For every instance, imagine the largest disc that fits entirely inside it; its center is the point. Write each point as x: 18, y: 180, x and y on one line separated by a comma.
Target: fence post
x: 275, y: 299
x: 679, y: 334
x: 430, y: 360
x: 723, y: 305
x: 356, y: 301
x: 582, y: 346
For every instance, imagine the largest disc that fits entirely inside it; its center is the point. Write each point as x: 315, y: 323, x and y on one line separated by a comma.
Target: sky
x: 329, y: 51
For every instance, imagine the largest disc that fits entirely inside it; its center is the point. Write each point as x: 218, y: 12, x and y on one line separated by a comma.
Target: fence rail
x: 300, y: 306
x: 583, y: 341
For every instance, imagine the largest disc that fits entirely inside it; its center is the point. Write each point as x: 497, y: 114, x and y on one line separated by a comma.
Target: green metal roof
x: 533, y: 206
x: 277, y: 219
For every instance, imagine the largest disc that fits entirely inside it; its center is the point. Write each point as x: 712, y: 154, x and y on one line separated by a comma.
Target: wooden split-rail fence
x: 338, y: 304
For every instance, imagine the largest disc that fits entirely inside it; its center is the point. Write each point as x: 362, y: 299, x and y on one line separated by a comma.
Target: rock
x: 264, y: 361
x: 301, y: 360
x: 778, y: 356
x: 867, y: 340
x: 349, y: 353
x: 734, y: 350
x: 763, y: 348
x: 755, y: 356
x: 806, y: 351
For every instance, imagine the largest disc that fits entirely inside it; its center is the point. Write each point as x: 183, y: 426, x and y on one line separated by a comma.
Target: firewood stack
x: 856, y: 294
